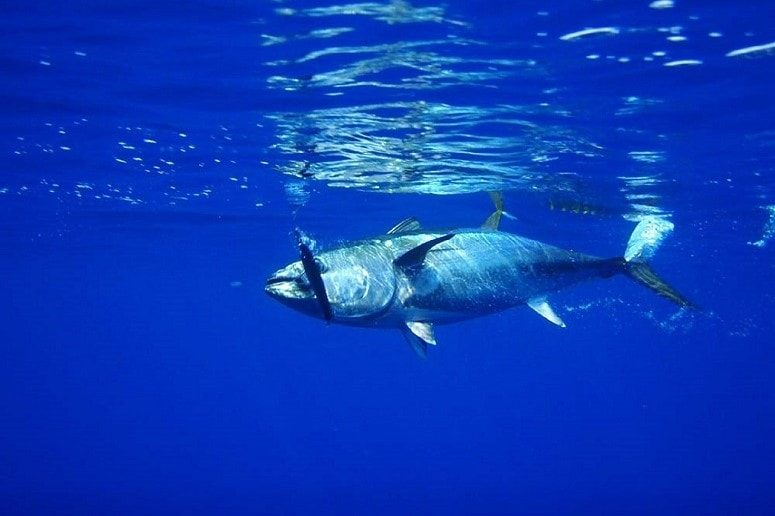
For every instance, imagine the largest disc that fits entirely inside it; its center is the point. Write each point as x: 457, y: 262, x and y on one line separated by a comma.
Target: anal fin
x: 542, y: 308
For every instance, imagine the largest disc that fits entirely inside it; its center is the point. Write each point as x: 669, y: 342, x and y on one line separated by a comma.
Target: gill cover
x: 360, y: 281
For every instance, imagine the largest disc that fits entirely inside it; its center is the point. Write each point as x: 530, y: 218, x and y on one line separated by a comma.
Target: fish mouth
x: 284, y: 287
x: 278, y: 279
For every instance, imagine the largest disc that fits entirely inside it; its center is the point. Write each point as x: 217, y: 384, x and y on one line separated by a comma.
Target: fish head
x: 359, y: 283
x: 291, y: 287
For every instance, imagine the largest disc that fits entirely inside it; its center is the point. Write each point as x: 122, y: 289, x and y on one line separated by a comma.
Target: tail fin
x: 646, y: 238
x: 642, y: 273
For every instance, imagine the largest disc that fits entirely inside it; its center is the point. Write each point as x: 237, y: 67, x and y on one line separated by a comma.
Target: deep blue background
x: 144, y: 370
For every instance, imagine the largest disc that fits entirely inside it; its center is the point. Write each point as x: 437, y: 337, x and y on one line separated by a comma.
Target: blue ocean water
x: 157, y: 156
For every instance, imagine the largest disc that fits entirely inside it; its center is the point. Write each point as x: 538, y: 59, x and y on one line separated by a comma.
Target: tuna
x: 412, y: 279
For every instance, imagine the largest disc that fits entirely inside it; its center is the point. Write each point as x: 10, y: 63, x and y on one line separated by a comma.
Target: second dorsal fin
x: 494, y: 220
x: 405, y: 226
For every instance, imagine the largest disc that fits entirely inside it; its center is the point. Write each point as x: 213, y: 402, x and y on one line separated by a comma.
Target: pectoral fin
x: 411, y: 261
x: 422, y: 330
x: 541, y: 306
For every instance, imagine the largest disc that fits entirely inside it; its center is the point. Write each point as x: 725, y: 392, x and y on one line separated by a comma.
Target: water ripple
x: 394, y: 12
x: 425, y: 147
x: 402, y: 65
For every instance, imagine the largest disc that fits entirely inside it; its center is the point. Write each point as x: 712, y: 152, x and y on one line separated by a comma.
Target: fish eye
x: 323, y: 267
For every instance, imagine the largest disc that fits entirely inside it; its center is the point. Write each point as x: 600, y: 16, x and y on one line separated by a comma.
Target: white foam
x: 589, y: 32
x: 684, y: 62
x: 756, y: 49
x: 647, y: 156
x: 769, y: 228
x: 662, y: 4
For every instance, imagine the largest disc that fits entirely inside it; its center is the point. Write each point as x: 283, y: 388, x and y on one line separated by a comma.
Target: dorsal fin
x: 411, y: 261
x: 405, y: 226
x: 494, y: 220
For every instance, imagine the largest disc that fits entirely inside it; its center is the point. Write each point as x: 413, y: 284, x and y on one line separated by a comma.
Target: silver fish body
x: 476, y: 272
x: 413, y: 279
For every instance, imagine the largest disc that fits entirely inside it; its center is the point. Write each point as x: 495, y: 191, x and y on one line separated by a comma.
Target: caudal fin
x: 642, y: 273
x: 646, y: 238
